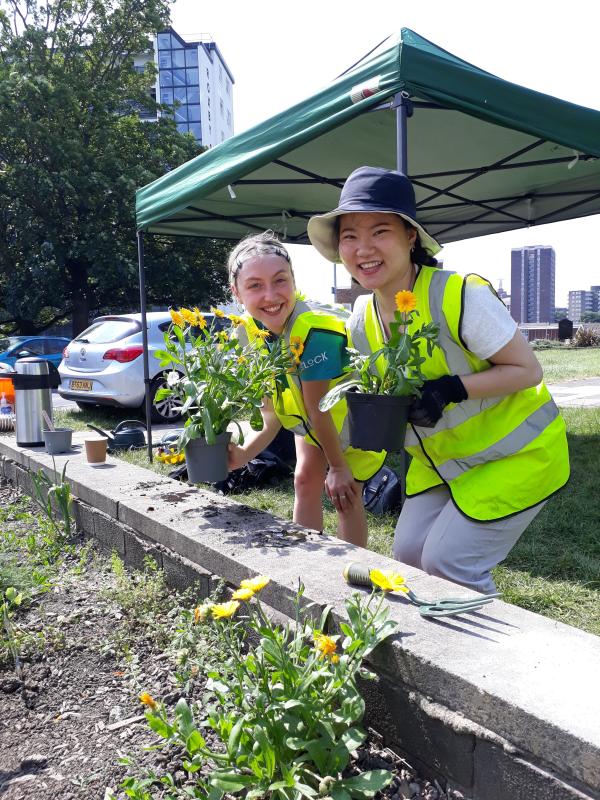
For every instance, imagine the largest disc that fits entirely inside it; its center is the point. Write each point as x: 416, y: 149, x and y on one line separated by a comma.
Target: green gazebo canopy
x: 484, y: 155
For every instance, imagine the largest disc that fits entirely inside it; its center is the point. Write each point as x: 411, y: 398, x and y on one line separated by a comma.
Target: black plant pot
x: 377, y: 421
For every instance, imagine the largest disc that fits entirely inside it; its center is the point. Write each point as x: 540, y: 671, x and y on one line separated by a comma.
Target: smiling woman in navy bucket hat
x: 487, y: 442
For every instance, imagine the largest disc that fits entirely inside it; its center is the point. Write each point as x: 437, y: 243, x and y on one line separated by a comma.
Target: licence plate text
x: 82, y: 386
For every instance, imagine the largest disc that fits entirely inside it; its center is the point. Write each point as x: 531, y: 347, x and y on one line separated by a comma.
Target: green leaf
x: 353, y: 738
x: 194, y: 742
x: 337, y: 793
x: 159, y: 726
x: 234, y: 737
x: 231, y: 781
x: 368, y: 783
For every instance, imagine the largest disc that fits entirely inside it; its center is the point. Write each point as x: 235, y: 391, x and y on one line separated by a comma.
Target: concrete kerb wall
x: 502, y: 703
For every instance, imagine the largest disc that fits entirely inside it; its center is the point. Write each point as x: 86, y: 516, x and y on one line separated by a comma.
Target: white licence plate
x: 81, y: 386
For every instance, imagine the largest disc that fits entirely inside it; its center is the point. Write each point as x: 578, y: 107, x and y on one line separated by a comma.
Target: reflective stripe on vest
x: 498, y: 455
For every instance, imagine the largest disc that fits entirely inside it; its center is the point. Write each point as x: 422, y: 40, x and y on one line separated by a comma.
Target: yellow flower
x: 242, y: 360
x: 201, y: 612
x: 224, y: 609
x: 217, y: 312
x: 200, y: 322
x: 148, y: 700
x: 235, y: 320
x: 296, y: 343
x: 324, y: 644
x: 188, y: 315
x: 243, y: 594
x: 406, y: 301
x: 177, y: 318
x: 256, y: 584
x: 262, y: 334
x: 388, y: 580
x: 335, y: 658
x: 170, y: 456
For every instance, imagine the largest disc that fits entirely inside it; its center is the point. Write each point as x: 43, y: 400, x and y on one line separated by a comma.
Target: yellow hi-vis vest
x: 498, y: 456
x: 288, y: 402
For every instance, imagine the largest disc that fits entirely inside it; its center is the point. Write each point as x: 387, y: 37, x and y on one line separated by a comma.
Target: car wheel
x: 167, y: 410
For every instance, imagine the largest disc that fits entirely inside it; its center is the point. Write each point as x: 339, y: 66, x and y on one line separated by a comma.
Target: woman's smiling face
x: 264, y: 284
x: 375, y: 249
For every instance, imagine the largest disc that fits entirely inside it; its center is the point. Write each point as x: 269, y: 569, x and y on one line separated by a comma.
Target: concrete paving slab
x: 583, y: 393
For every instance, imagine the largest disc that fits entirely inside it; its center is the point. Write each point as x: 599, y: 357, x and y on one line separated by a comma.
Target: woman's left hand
x: 341, y: 488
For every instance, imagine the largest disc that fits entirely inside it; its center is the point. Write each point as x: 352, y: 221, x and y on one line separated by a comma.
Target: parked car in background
x: 47, y: 347
x: 104, y: 364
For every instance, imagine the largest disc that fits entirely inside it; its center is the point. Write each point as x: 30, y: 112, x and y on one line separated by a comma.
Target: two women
x: 262, y: 279
x: 488, y: 445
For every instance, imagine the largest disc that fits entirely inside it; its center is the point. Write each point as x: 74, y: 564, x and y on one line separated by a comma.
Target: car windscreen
x: 104, y: 331
x: 10, y: 341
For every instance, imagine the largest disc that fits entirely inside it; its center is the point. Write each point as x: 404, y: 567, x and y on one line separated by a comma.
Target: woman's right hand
x: 236, y: 457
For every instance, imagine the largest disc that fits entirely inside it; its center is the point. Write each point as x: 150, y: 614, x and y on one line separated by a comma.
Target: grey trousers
x: 432, y: 535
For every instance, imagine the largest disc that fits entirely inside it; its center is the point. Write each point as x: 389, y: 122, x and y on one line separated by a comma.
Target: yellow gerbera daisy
x: 243, y: 594
x: 256, y: 584
x: 406, y: 301
x: 224, y: 609
x: 324, y: 644
x: 148, y: 700
x: 177, y: 318
x: 388, y: 580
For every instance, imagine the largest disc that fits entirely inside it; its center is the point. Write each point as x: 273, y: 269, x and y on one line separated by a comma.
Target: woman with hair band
x: 262, y: 280
x: 487, y: 442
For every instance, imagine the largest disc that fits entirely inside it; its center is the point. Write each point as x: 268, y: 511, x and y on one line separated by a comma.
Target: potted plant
x: 380, y: 387
x: 218, y: 381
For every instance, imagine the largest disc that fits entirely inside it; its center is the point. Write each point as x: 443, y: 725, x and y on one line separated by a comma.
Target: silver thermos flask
x: 34, y: 379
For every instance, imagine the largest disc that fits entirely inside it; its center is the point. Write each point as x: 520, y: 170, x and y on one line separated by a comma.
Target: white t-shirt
x: 487, y: 325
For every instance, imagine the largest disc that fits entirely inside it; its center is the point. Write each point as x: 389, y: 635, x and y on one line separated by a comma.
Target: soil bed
x: 88, y: 649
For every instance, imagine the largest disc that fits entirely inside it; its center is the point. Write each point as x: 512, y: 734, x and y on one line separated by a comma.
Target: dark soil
x: 71, y: 710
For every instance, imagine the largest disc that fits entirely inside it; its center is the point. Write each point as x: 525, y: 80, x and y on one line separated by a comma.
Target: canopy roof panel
x: 484, y: 155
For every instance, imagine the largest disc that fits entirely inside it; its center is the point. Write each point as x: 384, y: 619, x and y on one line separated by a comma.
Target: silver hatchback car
x: 104, y: 365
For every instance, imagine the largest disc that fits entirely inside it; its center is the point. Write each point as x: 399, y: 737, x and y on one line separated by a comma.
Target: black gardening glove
x: 435, y: 396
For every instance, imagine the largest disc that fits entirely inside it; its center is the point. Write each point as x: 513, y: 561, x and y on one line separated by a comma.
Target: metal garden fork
x: 359, y: 575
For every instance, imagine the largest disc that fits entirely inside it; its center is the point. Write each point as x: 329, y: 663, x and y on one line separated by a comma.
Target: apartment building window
x: 180, y: 82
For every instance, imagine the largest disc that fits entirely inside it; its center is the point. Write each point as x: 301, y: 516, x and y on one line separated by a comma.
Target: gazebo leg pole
x: 140, y: 244
x: 402, y: 166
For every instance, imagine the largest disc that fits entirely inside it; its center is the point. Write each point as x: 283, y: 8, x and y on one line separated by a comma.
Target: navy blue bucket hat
x: 369, y: 190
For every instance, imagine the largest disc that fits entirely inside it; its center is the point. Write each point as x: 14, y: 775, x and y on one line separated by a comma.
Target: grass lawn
x: 569, y: 363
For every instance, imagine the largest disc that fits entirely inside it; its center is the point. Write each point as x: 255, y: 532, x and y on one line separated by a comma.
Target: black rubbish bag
x: 382, y: 494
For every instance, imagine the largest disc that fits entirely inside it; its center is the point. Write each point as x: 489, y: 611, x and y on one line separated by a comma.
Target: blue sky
x: 280, y: 53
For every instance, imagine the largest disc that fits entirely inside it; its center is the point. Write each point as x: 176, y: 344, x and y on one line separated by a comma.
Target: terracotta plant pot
x: 58, y: 440
x: 377, y: 421
x: 207, y: 463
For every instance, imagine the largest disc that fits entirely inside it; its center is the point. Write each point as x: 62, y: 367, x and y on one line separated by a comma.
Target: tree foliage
x: 73, y: 151
x: 590, y: 316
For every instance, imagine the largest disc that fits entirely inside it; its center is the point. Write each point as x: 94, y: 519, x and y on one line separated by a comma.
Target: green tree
x: 590, y: 316
x: 73, y: 151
